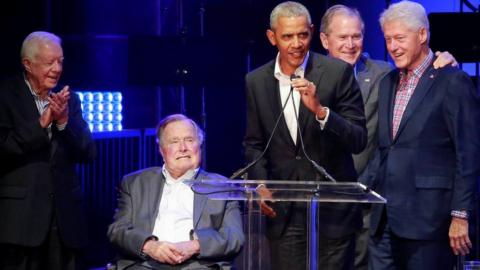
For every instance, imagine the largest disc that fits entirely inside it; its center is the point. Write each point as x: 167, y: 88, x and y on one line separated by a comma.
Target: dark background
x: 143, y: 49
x: 169, y: 56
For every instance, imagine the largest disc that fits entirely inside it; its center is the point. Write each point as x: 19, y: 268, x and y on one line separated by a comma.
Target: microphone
x: 240, y: 172
x: 320, y: 170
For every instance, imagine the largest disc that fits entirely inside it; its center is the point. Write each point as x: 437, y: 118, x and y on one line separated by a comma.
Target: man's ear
x: 27, y: 64
x: 324, y: 40
x: 271, y: 37
x: 160, y: 149
x: 423, y: 34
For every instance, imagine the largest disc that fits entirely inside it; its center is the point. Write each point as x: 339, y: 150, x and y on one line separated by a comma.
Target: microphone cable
x: 314, y: 164
x: 242, y: 171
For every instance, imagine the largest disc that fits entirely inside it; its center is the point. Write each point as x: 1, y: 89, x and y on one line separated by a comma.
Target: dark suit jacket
x: 432, y: 165
x: 332, y: 147
x: 217, y: 224
x: 369, y: 74
x: 36, y: 171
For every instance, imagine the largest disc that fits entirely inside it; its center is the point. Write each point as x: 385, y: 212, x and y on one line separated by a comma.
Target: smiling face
x: 407, y: 47
x: 43, y: 70
x: 344, y: 38
x: 291, y: 36
x: 180, y: 147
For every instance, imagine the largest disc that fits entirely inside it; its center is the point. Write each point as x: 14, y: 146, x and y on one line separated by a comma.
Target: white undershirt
x: 284, y: 84
x: 175, y: 214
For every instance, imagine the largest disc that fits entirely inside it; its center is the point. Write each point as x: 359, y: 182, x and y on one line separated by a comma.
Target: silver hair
x: 288, y: 9
x: 31, y: 43
x: 339, y: 10
x: 412, y: 14
x: 175, y: 118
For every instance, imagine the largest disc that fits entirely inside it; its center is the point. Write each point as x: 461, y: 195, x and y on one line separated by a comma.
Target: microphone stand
x: 240, y: 172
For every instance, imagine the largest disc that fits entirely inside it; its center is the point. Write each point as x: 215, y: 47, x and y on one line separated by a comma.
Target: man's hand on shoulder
x: 444, y: 59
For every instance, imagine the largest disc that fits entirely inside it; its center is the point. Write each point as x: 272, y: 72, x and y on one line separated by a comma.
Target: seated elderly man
x: 160, y: 223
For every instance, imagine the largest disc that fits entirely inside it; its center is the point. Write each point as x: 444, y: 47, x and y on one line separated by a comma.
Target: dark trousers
x: 390, y: 252
x: 290, y: 251
x: 51, y: 255
x: 361, y: 241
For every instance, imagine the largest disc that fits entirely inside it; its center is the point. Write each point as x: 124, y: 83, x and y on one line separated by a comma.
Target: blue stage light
x: 102, y: 110
x: 117, y: 107
x: 108, y: 117
x: 107, y: 107
x: 98, y: 107
x: 88, y: 116
x: 108, y: 127
x: 117, y: 97
x: 87, y: 107
x: 97, y: 97
x: 87, y: 97
x: 98, y: 117
x: 117, y: 126
x: 107, y: 97
x: 117, y: 117
x: 97, y: 126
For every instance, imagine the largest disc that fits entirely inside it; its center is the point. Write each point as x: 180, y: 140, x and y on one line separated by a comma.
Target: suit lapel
x: 313, y: 73
x: 422, y: 88
x: 199, y: 201
x: 391, y: 86
x: 276, y: 105
x: 26, y: 99
x: 364, y: 75
x: 154, y: 194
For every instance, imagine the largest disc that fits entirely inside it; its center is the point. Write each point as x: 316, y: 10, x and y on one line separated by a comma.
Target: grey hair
x: 33, y: 40
x: 176, y: 118
x: 288, y: 9
x: 339, y: 10
x: 412, y: 14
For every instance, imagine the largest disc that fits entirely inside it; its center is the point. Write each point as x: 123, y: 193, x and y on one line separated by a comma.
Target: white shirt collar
x: 300, y: 71
x: 31, y: 89
x: 170, y: 180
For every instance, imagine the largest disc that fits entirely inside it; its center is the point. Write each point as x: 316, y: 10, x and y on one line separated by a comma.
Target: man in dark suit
x: 341, y: 34
x: 427, y: 164
x: 331, y: 126
x: 160, y: 223
x: 42, y: 136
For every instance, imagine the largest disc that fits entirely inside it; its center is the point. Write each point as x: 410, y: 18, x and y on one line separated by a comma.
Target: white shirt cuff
x: 324, y: 121
x: 62, y: 126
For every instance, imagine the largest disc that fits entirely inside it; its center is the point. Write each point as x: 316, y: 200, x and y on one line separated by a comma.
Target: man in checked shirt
x: 429, y: 146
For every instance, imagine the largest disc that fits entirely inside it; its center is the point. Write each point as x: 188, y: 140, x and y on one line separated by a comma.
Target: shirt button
x: 51, y: 194
x: 298, y: 157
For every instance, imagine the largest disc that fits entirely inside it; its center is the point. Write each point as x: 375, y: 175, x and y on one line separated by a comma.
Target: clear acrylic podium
x: 311, y: 192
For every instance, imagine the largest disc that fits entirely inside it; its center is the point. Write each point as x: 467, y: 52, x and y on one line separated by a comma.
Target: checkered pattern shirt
x: 405, y: 89
x: 42, y: 105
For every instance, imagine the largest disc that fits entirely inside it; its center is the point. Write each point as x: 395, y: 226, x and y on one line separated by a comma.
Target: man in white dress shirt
x: 160, y: 223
